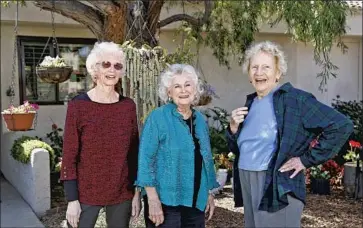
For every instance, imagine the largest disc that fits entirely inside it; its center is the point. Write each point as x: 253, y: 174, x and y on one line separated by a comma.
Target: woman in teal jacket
x: 176, y: 168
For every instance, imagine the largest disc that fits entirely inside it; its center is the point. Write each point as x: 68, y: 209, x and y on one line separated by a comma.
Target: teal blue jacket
x: 166, y: 157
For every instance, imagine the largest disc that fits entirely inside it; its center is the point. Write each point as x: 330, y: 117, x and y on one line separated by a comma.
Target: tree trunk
x: 130, y: 22
x: 110, y: 21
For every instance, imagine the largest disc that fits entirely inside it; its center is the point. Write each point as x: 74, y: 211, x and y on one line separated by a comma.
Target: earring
x: 169, y: 99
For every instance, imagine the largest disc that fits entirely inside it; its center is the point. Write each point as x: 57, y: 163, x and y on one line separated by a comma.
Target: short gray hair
x: 101, y: 49
x: 174, y: 70
x: 267, y: 47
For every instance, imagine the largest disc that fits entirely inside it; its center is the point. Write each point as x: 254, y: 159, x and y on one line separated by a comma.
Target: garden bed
x: 333, y: 210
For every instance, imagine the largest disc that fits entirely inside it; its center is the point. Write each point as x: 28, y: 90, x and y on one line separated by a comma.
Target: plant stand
x: 320, y: 186
x: 222, y: 177
x: 19, y: 122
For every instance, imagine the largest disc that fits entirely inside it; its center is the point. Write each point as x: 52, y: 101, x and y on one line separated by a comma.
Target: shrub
x: 23, y: 146
x: 353, y: 110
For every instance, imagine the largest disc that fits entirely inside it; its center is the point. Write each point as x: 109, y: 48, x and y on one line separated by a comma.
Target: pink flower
x: 35, y: 106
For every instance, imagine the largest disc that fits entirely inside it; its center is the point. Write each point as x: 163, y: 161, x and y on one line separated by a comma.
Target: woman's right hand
x: 156, y: 214
x: 73, y: 213
x: 238, y: 116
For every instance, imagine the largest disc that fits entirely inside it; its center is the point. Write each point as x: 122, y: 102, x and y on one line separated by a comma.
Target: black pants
x: 117, y: 215
x: 177, y: 217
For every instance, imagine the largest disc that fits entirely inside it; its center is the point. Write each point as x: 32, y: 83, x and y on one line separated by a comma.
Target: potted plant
x: 350, y: 170
x: 20, y: 118
x: 222, y: 165
x: 320, y: 180
x: 54, y: 70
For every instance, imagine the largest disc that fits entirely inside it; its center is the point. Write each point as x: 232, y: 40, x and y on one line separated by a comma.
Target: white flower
x: 53, y: 62
x: 230, y: 155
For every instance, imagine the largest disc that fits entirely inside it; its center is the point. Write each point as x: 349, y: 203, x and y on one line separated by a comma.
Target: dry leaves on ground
x: 334, y: 210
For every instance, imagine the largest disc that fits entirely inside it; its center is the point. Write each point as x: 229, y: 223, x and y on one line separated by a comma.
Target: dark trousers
x: 117, y: 215
x: 177, y: 217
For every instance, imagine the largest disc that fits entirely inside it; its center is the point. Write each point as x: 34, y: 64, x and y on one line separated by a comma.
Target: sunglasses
x: 107, y: 64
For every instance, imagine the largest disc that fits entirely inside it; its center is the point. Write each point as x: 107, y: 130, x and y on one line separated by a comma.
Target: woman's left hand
x: 292, y: 164
x: 210, y: 207
x: 136, y: 205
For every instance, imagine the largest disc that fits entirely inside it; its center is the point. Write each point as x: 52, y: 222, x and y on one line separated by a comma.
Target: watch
x: 213, y: 192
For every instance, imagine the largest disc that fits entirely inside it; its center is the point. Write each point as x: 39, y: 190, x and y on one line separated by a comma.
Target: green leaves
x: 22, y: 148
x: 7, y: 3
x: 354, y: 110
x: 233, y: 25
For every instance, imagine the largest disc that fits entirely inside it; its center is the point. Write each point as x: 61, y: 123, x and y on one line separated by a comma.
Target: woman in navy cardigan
x: 272, y: 141
x: 176, y: 168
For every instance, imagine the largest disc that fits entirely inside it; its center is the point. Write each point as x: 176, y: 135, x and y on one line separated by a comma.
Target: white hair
x: 176, y: 70
x: 100, y: 52
x: 267, y: 47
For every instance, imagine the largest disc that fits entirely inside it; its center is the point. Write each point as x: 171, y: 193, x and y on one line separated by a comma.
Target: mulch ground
x: 335, y: 210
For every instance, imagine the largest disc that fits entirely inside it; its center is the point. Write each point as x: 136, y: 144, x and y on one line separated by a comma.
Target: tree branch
x: 179, y: 17
x: 105, y: 7
x: 208, y: 6
x: 153, y: 14
x: 77, y: 11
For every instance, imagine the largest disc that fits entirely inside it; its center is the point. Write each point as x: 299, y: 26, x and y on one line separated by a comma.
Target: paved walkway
x: 15, y: 212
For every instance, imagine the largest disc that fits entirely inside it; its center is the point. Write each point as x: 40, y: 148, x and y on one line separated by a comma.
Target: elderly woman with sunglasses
x: 176, y: 168
x: 271, y: 135
x: 99, y: 164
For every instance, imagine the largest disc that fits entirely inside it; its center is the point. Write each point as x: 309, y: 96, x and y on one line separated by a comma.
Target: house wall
x: 231, y: 85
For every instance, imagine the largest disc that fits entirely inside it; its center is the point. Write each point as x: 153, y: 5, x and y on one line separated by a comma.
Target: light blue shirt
x: 257, y: 140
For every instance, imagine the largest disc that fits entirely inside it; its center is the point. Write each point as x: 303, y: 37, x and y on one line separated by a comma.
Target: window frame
x: 21, y: 62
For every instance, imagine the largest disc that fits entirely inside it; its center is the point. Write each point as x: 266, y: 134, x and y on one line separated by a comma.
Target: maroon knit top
x: 99, y: 163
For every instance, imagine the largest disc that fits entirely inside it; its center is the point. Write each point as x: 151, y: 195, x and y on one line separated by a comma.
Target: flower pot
x: 350, y: 182
x: 320, y: 186
x: 19, y: 121
x: 222, y: 177
x: 54, y: 75
x: 204, y: 100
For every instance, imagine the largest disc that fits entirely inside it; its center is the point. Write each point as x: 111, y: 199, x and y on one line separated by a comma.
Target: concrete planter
x: 349, y: 180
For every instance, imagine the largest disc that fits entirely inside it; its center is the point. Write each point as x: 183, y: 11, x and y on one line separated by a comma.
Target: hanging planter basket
x: 54, y: 75
x: 19, y: 121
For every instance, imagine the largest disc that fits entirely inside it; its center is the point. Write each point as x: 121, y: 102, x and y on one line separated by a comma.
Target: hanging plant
x: 143, y: 67
x: 54, y: 70
x: 20, y: 118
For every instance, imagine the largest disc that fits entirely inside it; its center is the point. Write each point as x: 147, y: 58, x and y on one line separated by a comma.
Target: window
x: 32, y: 51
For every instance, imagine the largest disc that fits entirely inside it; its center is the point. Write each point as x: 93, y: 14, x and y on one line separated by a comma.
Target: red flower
x: 354, y: 144
x: 54, y: 126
